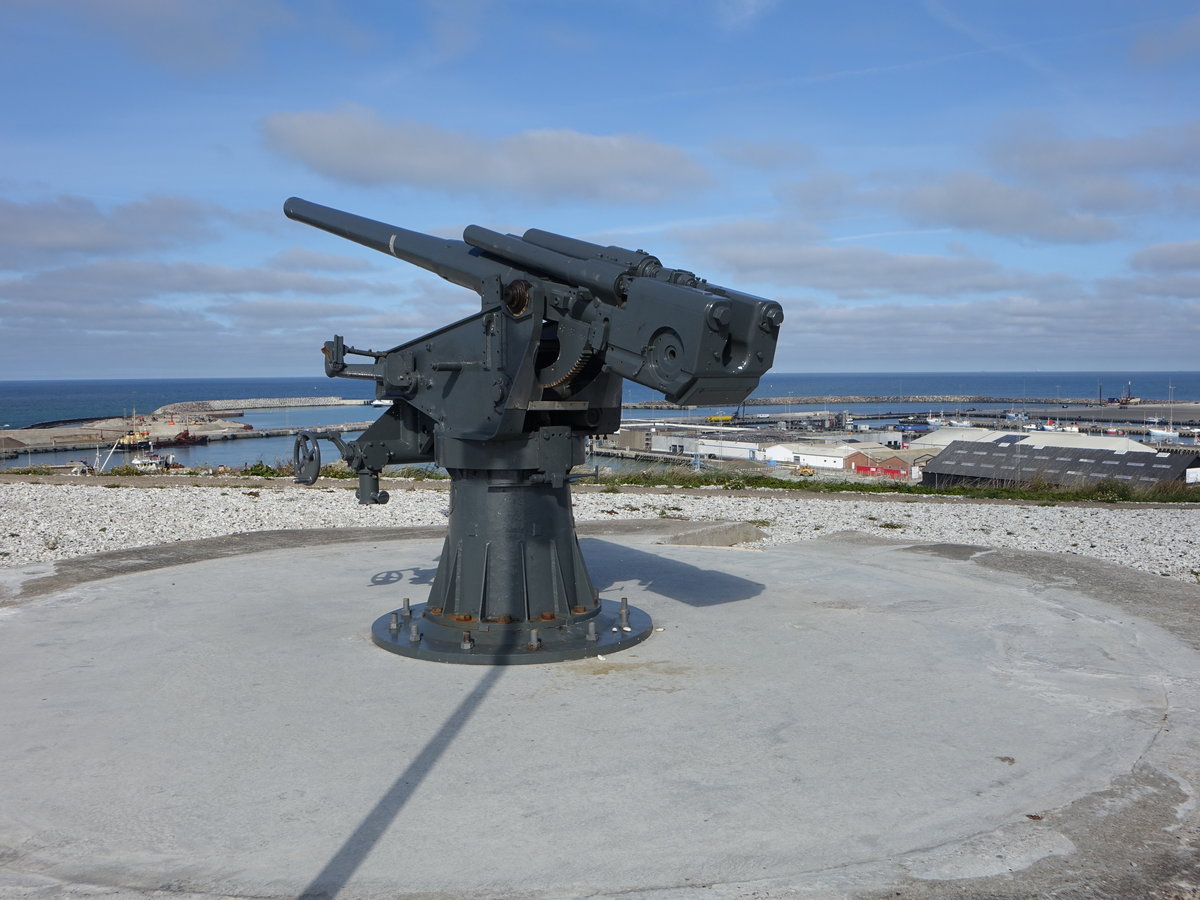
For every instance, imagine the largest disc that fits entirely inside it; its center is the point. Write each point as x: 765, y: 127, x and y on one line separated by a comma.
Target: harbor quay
x: 188, y: 422
x: 215, y: 420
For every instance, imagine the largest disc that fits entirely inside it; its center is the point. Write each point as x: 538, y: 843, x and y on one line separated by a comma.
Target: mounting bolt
x: 624, y: 615
x: 468, y: 642
x: 535, y: 642
x: 414, y: 633
x: 407, y: 609
x: 772, y: 319
x: 719, y: 316
x: 591, y: 630
x: 394, y: 623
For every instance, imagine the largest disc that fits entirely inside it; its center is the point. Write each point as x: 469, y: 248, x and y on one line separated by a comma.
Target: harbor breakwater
x: 838, y: 399
x: 210, y: 418
x: 192, y: 407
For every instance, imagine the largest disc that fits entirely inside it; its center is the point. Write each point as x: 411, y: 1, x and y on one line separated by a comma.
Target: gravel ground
x: 40, y: 522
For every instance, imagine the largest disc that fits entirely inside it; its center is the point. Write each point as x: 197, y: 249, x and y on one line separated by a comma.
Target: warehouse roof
x: 943, y: 437
x: 1022, y: 462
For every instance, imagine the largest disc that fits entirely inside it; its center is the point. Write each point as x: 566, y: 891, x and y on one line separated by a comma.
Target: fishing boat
x: 1169, y: 433
x: 152, y: 461
x: 1162, y: 434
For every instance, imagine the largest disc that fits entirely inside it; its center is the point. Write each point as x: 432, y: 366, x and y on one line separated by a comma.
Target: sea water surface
x: 24, y: 403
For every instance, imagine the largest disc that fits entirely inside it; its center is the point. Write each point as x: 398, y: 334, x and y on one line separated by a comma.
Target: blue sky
x: 925, y: 186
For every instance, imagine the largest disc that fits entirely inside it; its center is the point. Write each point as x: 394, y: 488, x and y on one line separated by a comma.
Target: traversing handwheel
x: 307, y: 458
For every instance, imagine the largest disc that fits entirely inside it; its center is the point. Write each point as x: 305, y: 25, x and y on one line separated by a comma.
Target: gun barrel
x: 452, y: 260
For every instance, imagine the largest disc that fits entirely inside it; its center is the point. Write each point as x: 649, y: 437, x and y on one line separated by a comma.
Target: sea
x: 25, y: 403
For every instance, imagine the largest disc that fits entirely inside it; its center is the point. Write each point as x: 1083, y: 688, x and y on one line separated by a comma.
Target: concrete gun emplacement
x: 504, y: 401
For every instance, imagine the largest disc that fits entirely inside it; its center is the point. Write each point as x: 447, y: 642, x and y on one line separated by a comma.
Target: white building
x: 815, y: 456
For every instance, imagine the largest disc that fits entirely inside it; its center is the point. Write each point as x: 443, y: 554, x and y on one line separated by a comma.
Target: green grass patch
x: 1108, y: 491
x: 415, y: 473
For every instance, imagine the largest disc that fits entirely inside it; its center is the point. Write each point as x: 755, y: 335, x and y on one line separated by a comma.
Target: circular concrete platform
x: 824, y: 719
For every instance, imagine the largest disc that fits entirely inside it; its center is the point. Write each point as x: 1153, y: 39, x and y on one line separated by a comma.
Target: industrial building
x: 888, y: 463
x: 860, y: 457
x: 941, y: 458
x: 1021, y: 459
x: 944, y: 437
x: 813, y: 455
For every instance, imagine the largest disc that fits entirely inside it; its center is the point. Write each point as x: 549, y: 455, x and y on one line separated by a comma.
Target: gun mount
x: 504, y: 401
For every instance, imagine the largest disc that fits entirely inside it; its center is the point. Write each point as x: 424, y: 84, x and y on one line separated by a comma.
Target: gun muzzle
x: 452, y: 260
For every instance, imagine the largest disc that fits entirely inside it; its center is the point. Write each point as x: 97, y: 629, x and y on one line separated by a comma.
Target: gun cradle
x: 504, y: 400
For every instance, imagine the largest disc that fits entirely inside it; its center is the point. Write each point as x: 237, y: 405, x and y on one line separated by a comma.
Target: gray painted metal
x: 609, y: 627
x: 504, y: 400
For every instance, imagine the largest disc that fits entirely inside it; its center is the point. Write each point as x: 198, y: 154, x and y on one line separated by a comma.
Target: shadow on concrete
x: 416, y: 575
x: 337, y: 873
x: 610, y: 563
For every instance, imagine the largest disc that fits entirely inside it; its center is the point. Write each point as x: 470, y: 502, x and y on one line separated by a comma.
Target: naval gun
x: 505, y: 399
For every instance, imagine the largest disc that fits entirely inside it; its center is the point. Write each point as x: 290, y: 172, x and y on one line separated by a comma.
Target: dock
x: 194, y: 407
x: 204, y: 420
x: 213, y: 419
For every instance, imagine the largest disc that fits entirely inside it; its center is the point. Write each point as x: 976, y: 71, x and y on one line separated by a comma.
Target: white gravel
x: 41, y: 522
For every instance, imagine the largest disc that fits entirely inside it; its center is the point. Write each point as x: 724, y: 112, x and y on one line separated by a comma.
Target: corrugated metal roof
x: 943, y: 437
x: 1021, y: 461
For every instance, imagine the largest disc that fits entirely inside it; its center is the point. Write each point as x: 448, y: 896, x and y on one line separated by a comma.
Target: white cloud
x: 1115, y: 194
x: 1167, y: 257
x: 47, y: 316
x: 764, y: 155
x: 979, y: 202
x: 821, y: 197
x: 1136, y: 290
x: 183, y: 34
x: 988, y: 333
x: 47, y: 231
x: 777, y: 253
x: 297, y: 258
x: 1168, y: 43
x: 269, y: 315
x: 356, y: 145
x: 1038, y: 151
x: 136, y: 279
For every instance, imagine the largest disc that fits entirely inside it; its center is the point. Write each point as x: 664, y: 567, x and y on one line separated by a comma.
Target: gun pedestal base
x: 511, y: 585
x: 513, y: 644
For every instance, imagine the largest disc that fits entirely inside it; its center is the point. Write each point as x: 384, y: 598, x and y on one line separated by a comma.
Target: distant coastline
x: 23, y: 403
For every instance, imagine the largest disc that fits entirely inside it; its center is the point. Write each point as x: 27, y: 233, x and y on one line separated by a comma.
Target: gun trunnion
x: 504, y: 401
